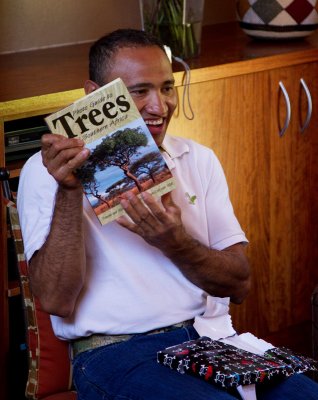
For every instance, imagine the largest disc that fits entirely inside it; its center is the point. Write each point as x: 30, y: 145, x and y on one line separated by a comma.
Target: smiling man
x: 122, y: 291
x: 150, y: 83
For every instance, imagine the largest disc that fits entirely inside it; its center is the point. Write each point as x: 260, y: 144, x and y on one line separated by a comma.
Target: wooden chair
x: 49, y: 366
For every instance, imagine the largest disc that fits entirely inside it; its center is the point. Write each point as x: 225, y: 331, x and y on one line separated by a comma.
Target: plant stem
x: 165, y: 22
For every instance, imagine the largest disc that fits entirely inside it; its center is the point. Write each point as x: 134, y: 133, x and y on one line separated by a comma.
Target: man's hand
x: 223, y: 273
x: 61, y: 156
x: 158, y: 223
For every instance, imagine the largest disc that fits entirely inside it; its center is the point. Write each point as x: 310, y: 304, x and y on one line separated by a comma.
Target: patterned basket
x: 277, y: 19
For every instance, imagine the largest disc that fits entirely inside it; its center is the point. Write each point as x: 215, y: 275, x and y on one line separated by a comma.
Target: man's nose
x: 157, y: 103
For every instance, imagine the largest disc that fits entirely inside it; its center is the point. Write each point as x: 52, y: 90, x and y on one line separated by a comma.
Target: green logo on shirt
x: 191, y: 199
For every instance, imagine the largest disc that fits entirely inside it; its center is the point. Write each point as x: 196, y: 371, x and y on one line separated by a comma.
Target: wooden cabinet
x: 293, y: 199
x: 272, y: 180
x: 239, y: 109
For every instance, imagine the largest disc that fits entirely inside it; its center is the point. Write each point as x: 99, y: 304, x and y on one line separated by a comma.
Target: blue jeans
x: 129, y: 371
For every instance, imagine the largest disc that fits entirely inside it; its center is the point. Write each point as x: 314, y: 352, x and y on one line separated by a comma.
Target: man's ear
x: 90, y: 86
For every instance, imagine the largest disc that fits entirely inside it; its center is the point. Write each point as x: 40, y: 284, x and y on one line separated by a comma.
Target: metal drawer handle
x: 309, y: 105
x: 288, y: 109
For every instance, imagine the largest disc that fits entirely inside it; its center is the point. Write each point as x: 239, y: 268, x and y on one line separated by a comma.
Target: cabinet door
x: 229, y: 118
x: 272, y: 182
x: 293, y: 197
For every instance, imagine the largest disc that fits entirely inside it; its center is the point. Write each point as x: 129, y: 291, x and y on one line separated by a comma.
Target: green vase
x: 177, y: 23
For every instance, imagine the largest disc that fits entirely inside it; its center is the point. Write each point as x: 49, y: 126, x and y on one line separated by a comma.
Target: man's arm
x: 58, y: 268
x: 223, y: 273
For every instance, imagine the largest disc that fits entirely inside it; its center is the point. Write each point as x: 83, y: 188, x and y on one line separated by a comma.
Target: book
x: 124, y: 156
x: 227, y: 366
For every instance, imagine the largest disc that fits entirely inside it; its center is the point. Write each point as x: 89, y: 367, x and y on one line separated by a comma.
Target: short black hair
x: 102, y: 51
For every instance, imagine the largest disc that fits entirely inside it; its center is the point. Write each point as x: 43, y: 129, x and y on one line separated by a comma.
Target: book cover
x: 228, y: 366
x: 124, y: 156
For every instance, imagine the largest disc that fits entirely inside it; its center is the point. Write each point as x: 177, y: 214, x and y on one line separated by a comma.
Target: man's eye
x: 168, y: 89
x: 139, y: 92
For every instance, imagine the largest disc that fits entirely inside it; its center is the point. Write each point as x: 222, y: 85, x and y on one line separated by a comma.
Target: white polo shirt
x: 131, y: 287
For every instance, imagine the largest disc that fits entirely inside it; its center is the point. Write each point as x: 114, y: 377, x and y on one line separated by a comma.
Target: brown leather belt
x: 96, y: 340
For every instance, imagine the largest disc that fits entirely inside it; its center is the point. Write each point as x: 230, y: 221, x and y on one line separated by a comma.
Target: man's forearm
x: 57, y: 270
x: 223, y: 273
x: 220, y: 273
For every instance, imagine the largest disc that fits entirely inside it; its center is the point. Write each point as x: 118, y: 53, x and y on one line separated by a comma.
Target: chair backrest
x: 49, y: 371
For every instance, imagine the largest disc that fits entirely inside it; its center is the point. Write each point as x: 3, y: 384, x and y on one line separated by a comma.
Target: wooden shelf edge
x: 37, y: 105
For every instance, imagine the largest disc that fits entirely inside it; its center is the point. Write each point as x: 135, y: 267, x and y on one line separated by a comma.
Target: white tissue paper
x: 216, y: 322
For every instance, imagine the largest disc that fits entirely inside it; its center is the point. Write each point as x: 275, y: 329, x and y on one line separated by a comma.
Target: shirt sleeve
x: 224, y: 228
x: 35, y: 202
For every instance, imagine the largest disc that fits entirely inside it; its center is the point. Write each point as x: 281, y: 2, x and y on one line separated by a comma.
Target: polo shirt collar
x: 173, y: 148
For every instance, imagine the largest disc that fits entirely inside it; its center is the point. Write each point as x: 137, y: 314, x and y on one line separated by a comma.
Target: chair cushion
x: 49, y: 364
x: 63, y: 396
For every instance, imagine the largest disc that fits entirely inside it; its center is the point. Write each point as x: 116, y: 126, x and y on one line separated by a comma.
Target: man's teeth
x: 155, y: 122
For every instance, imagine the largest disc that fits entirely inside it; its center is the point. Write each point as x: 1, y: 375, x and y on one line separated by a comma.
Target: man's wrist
x: 76, y: 186
x: 186, y: 249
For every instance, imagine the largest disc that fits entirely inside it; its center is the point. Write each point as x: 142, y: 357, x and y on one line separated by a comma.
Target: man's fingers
x: 53, y: 144
x: 167, y: 200
x: 78, y: 160
x: 62, y: 169
x: 161, y: 210
x: 150, y: 211
x: 58, y: 150
x: 136, y: 210
x: 48, y: 139
x: 132, y: 227
x: 62, y: 156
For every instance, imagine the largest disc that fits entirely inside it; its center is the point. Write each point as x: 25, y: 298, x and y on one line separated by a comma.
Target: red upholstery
x: 62, y: 396
x: 49, y: 375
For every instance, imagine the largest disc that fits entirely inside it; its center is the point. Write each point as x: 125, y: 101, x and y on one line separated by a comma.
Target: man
x: 123, y: 291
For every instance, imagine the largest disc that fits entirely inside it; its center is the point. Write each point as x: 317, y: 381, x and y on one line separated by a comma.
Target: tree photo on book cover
x: 133, y: 163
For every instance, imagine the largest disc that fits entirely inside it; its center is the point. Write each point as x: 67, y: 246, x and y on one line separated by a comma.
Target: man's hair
x: 102, y: 52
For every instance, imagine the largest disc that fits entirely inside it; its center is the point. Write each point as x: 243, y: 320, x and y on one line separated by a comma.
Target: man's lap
x: 129, y: 370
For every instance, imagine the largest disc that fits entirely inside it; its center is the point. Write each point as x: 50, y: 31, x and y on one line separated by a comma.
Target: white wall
x: 32, y: 24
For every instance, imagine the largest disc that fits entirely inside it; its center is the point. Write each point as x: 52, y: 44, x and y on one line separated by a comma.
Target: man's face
x: 147, y: 73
